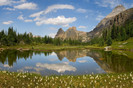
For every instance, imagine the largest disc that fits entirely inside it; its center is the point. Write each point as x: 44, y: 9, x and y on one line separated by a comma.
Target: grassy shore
x: 128, y: 44
x: 49, y: 47
x: 30, y: 80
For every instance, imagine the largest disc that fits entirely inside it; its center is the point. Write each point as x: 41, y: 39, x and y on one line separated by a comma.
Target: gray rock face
x: 72, y: 33
x: 60, y: 34
x: 106, y: 21
x: 116, y: 10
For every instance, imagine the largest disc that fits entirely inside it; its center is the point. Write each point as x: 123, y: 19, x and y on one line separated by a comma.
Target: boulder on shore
x: 107, y: 48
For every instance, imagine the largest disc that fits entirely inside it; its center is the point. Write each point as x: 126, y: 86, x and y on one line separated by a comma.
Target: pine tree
x: 101, y: 42
x: 109, y: 39
x: 123, y: 34
x: 113, y: 33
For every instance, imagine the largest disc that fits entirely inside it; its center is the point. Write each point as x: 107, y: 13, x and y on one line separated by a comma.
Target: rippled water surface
x: 68, y: 62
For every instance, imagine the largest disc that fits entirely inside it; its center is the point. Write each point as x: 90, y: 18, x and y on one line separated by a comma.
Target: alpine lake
x: 67, y: 62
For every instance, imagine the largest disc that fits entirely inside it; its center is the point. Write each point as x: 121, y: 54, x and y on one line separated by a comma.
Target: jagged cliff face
x: 116, y: 11
x: 106, y: 21
x: 72, y: 33
x: 118, y: 16
x: 60, y: 34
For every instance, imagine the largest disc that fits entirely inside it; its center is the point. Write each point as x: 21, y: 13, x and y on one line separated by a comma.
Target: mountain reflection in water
x: 65, y: 62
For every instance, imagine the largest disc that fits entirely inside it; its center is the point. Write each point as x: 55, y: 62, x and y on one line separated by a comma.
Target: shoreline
x: 56, y: 48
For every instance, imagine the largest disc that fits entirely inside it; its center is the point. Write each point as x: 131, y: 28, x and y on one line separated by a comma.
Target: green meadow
x: 31, y: 80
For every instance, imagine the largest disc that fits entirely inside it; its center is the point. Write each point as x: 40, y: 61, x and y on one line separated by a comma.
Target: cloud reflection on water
x: 82, y: 61
x: 59, y: 67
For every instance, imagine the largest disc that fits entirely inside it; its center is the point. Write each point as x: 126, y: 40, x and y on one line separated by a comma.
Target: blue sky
x: 45, y: 17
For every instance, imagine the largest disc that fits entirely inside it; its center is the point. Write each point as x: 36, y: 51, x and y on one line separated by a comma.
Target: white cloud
x: 60, y: 20
x: 8, y: 22
x: 52, y: 8
x: 10, y: 2
x: 66, y: 25
x: 52, y: 35
x: 58, y: 6
x: 60, y: 67
x: 36, y: 14
x: 29, y: 6
x: 25, y: 20
x: 82, y: 27
x: 20, y: 17
x: 80, y: 10
x: 99, y: 17
x: 5, y: 2
x: 108, y: 3
x: 10, y: 9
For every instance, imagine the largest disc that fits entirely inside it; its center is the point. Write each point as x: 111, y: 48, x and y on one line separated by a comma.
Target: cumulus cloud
x: 29, y: 6
x: 52, y: 8
x: 108, y: 3
x: 10, y: 9
x: 36, y: 14
x: 99, y: 17
x: 8, y: 22
x: 52, y: 35
x: 80, y: 10
x: 58, y: 6
x: 60, y: 20
x: 25, y: 20
x: 60, y: 67
x: 10, y: 2
x: 20, y: 17
x: 82, y: 27
x: 5, y: 2
x: 66, y: 25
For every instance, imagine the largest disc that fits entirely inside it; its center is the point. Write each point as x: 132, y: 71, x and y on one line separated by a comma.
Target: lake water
x: 66, y: 62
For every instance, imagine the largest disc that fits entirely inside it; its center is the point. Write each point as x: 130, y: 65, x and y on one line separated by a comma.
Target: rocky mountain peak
x: 118, y: 9
x: 60, y: 31
x: 106, y: 21
x: 72, y: 28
